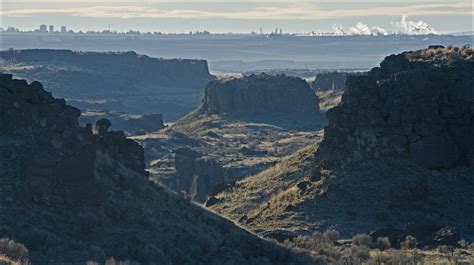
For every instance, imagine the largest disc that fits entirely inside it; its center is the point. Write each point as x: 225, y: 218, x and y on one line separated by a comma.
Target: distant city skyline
x: 349, y: 17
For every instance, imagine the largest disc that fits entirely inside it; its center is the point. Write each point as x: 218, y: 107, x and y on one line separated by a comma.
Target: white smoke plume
x: 363, y: 29
x: 338, y: 30
x: 413, y: 27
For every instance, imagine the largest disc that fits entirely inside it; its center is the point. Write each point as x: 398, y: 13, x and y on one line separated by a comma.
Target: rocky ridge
x: 123, y: 82
x: 73, y: 194
x: 396, y: 154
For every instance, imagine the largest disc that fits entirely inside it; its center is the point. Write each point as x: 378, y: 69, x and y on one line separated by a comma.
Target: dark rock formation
x: 196, y: 175
x: 114, y: 81
x: 72, y: 194
x: 260, y: 94
x: 335, y: 81
x: 412, y: 106
x: 184, y: 163
x: 131, y: 124
x: 56, y: 143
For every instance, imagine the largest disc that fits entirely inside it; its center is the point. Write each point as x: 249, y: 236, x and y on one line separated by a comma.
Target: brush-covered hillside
x: 73, y: 194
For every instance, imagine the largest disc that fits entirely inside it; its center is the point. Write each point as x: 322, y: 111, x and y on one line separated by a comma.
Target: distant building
x: 51, y: 29
x: 63, y: 29
x: 43, y: 28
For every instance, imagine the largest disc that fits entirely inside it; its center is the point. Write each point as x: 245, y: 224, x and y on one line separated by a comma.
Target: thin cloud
x: 301, y: 11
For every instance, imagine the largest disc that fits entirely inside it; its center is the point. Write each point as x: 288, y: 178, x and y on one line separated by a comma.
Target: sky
x: 357, y: 17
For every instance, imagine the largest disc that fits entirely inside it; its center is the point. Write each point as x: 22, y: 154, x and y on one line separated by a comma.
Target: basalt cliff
x: 114, y: 81
x: 412, y: 106
x: 260, y: 94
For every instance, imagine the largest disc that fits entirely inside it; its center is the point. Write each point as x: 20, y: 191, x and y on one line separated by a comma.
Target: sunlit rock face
x: 260, y: 94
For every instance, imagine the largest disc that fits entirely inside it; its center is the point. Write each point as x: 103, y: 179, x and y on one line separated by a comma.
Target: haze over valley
x: 188, y: 133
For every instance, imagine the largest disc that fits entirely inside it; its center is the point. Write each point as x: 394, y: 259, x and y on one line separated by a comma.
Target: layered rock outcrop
x: 260, y: 94
x: 416, y: 105
x: 334, y: 81
x: 114, y: 81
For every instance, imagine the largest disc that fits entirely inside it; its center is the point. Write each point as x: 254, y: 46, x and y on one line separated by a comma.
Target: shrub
x: 321, y: 245
x: 383, y: 243
x: 331, y: 236
x: 12, y: 250
x: 463, y: 244
x: 409, y: 243
x: 360, y: 253
x: 362, y: 240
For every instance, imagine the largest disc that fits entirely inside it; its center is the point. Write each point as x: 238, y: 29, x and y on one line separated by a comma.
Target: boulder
x: 212, y: 201
x: 447, y: 236
x: 102, y: 126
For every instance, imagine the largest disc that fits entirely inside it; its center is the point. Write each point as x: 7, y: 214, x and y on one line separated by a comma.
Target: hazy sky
x: 241, y: 16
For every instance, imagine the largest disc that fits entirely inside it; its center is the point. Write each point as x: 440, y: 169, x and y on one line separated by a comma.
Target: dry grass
x: 13, y: 251
x: 329, y: 99
x: 324, y: 248
x: 269, y: 194
x: 442, y: 54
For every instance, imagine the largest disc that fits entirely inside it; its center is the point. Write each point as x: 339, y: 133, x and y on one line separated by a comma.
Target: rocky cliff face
x: 416, y: 105
x: 260, y: 94
x: 56, y: 143
x: 108, y: 81
x: 396, y: 154
x: 72, y: 194
x: 196, y: 175
x: 335, y: 81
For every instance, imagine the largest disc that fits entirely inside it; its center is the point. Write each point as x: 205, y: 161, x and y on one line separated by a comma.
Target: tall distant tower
x: 63, y: 29
x: 281, y: 32
x: 43, y: 28
x: 51, y: 29
x: 261, y: 31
